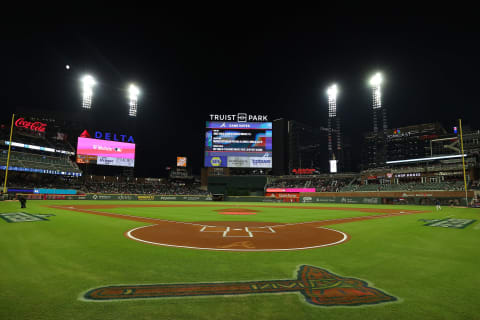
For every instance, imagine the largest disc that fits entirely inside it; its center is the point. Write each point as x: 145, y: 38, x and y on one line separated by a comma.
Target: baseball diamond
x: 236, y: 235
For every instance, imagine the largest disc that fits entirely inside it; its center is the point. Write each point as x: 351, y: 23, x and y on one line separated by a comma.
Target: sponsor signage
x: 14, y: 217
x: 290, y: 189
x: 54, y: 191
x: 105, y: 152
x: 449, y: 223
x: 238, y: 162
x: 408, y: 175
x: 113, y: 136
x: 238, y: 126
x: 398, y: 135
x: 146, y: 198
x: 32, y: 125
x: 417, y: 195
x: 34, y: 147
x: 429, y: 137
x: 215, y: 161
x: 63, y: 173
x: 260, y: 162
x: 303, y: 171
x: 239, y: 117
x: 181, y: 161
x: 110, y: 161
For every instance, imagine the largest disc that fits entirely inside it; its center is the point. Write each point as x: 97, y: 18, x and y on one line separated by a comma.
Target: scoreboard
x: 238, y: 144
x: 105, y: 152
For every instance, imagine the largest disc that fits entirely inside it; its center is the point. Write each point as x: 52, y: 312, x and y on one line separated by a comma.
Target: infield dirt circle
x: 237, y: 236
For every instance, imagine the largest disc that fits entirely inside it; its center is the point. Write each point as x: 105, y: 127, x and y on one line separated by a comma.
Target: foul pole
x: 8, y: 156
x: 463, y: 162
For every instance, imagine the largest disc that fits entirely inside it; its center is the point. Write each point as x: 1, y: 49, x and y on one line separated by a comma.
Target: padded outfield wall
x: 414, y: 198
x: 405, y: 197
x: 125, y: 197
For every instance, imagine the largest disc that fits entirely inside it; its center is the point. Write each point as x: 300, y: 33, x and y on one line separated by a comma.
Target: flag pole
x: 8, y: 156
x: 463, y: 162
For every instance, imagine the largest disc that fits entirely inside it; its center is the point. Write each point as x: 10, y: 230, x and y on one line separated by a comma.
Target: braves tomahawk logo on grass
x: 318, y: 286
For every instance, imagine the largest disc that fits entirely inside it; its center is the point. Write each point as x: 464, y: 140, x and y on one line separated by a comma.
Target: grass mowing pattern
x: 47, y: 265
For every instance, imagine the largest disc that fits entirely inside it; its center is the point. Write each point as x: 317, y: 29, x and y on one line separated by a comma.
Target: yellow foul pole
x: 8, y: 156
x: 463, y: 162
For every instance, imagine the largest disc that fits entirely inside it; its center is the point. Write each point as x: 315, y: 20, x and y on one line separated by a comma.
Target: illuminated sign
x: 181, y: 161
x: 303, y: 171
x: 34, y: 126
x: 408, y: 175
x: 333, y: 166
x: 398, y: 134
x: 291, y: 189
x: 105, y: 152
x: 239, y: 117
x: 113, y: 136
x: 23, y: 169
x: 34, y: 147
x: 429, y: 137
x: 216, y: 161
x: 238, y: 144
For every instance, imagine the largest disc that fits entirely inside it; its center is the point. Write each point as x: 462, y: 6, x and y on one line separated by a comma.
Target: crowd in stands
x: 475, y: 185
x: 108, y: 185
x: 334, y: 184
x: 123, y: 185
x: 167, y: 188
x: 321, y: 184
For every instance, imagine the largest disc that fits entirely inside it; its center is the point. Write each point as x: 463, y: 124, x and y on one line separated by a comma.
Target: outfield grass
x: 46, y: 266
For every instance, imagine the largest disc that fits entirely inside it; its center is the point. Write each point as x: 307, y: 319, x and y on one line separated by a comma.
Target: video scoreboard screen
x: 105, y: 152
x: 238, y: 144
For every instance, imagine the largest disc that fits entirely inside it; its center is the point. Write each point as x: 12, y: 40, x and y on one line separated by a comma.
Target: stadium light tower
x: 133, y: 93
x: 376, y: 84
x: 332, y: 92
x: 333, y: 119
x: 88, y: 83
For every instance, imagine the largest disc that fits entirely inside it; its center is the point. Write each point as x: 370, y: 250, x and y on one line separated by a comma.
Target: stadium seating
x: 38, y: 161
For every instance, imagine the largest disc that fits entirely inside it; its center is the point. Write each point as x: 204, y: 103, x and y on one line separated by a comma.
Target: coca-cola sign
x: 34, y: 126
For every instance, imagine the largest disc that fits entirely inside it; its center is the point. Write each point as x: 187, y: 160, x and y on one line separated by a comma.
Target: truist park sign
x: 34, y: 126
x: 239, y: 117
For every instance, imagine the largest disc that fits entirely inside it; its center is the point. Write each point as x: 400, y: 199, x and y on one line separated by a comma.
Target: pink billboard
x: 105, y: 148
x: 290, y: 189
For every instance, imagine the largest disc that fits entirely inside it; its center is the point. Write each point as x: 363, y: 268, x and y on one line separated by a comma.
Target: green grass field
x: 47, y: 266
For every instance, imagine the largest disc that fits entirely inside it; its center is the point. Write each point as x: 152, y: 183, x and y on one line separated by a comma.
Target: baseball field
x: 225, y: 260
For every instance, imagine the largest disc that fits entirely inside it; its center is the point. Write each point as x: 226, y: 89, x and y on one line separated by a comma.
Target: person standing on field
x: 437, y: 202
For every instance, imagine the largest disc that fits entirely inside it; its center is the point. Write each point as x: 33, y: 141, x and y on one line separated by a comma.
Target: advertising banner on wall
x: 181, y: 162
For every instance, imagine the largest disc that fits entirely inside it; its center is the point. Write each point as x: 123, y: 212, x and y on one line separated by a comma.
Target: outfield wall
x: 414, y: 198
x: 386, y: 197
x: 125, y: 197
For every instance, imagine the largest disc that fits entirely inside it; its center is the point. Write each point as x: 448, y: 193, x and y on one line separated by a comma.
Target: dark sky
x: 281, y: 66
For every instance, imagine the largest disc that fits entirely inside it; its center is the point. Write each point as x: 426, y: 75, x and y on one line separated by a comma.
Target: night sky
x: 280, y: 66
